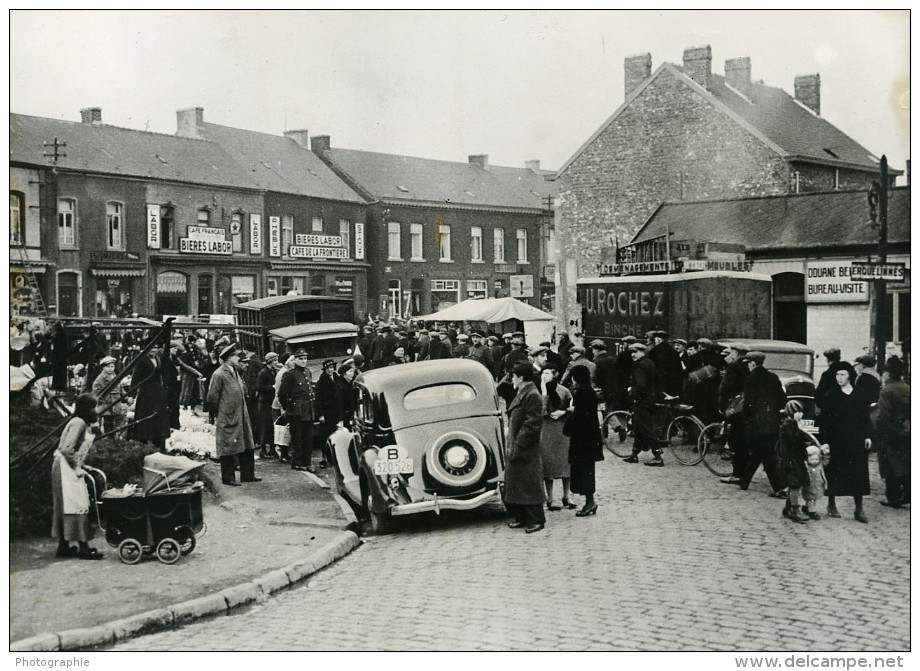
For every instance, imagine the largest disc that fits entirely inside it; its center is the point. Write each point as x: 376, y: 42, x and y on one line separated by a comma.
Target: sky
x: 515, y: 85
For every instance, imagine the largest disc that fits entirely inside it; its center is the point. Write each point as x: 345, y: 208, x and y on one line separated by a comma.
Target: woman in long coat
x: 554, y: 447
x: 585, y: 441
x: 524, y: 494
x: 845, y: 426
x: 70, y: 516
x: 233, y: 430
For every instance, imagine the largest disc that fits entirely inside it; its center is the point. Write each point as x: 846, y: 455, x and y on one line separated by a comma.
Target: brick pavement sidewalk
x: 253, y: 530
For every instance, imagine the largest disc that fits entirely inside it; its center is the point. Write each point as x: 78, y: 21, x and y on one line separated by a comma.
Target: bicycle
x: 715, y: 447
x: 681, y: 431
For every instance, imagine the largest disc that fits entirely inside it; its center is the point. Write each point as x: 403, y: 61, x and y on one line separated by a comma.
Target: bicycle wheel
x: 715, y: 450
x: 683, y: 439
x: 618, y: 433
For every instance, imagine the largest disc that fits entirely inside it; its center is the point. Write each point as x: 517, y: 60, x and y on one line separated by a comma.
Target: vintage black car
x: 427, y: 436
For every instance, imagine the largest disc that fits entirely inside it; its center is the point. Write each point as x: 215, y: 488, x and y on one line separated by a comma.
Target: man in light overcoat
x: 233, y: 430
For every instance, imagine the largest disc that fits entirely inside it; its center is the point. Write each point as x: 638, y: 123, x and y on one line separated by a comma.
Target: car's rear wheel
x: 380, y: 523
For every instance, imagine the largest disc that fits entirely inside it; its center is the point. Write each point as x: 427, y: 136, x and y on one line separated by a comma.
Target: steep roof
x: 105, y: 149
x: 408, y: 179
x: 837, y: 219
x: 277, y: 163
x: 788, y: 127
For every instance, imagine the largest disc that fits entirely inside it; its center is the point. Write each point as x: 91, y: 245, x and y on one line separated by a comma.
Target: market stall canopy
x: 490, y: 310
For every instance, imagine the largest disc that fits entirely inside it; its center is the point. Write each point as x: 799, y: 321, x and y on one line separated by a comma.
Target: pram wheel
x: 187, y: 540
x: 168, y: 551
x: 130, y: 551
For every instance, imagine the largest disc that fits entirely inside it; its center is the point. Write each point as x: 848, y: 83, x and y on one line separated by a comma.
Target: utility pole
x: 878, y: 209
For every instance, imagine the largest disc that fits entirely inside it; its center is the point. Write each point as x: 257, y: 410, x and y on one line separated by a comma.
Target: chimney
x: 738, y: 75
x: 190, y: 122
x: 808, y: 92
x: 298, y: 136
x: 91, y: 115
x: 698, y: 65
x: 319, y: 143
x: 482, y: 160
x: 533, y: 165
x: 638, y: 68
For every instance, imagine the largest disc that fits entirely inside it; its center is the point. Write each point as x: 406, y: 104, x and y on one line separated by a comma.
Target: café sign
x: 302, y: 252
x: 205, y: 240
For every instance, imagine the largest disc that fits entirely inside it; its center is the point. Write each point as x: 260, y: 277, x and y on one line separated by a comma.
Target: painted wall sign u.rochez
x: 830, y: 282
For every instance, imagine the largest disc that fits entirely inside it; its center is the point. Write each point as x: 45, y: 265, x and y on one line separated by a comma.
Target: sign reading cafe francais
x: 205, y: 240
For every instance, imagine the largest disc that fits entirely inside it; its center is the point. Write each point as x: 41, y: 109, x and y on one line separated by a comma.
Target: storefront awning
x: 118, y: 272
x: 16, y: 267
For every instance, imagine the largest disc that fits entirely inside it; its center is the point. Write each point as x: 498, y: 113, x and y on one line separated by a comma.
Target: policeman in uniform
x: 297, y: 398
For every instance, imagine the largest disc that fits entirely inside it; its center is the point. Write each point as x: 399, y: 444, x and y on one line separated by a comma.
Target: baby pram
x: 164, y: 517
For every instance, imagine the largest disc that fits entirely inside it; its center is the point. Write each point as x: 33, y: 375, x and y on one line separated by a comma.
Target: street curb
x: 187, y: 611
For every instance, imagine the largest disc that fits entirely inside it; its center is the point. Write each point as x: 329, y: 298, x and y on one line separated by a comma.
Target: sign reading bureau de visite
x: 830, y: 282
x: 893, y: 272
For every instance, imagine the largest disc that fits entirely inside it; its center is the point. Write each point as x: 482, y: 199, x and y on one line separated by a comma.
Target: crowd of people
x: 555, y: 398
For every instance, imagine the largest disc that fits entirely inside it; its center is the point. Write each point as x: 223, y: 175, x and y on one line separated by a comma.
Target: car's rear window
x: 438, y: 395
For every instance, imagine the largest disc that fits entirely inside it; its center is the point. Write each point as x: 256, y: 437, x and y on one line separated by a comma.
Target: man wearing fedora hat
x: 764, y: 398
x: 233, y: 429
x: 297, y: 400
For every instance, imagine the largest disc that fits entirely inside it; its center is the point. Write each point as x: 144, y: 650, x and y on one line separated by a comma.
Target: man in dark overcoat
x: 764, y: 398
x: 667, y: 364
x: 643, y: 393
x: 732, y: 384
x: 892, y: 427
x: 296, y: 395
x: 233, y: 429
x: 524, y: 492
x: 624, y: 366
x: 265, y: 395
x: 149, y: 384
x: 605, y: 375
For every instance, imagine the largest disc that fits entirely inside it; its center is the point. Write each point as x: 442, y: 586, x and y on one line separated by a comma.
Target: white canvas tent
x: 538, y: 325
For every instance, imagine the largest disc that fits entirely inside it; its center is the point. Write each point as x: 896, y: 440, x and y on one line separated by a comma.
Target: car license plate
x: 806, y: 423
x: 393, y: 466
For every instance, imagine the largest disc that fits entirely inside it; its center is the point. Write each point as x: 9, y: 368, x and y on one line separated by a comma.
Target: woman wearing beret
x: 585, y: 441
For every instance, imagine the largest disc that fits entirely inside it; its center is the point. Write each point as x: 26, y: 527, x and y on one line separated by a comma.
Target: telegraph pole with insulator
x: 878, y: 211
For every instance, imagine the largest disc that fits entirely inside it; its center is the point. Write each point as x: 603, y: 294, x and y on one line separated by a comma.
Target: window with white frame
x: 444, y: 240
x: 393, y: 241
x: 115, y: 225
x: 477, y: 289
x: 17, y: 225
x: 476, y: 243
x: 236, y: 231
x: 67, y: 222
x: 444, y: 293
x: 317, y: 226
x: 498, y: 238
x: 521, y: 245
x: 287, y: 233
x: 415, y: 235
x: 345, y: 234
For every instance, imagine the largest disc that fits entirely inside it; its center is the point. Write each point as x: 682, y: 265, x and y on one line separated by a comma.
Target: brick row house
x: 685, y: 133
x: 131, y: 222
x: 443, y: 231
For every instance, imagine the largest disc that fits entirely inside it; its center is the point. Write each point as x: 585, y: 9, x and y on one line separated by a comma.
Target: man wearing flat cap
x: 764, y: 398
x: 577, y: 358
x: 297, y: 400
x: 605, y: 374
x: 868, y: 382
x: 478, y: 350
x: 114, y: 409
x: 518, y: 354
x: 643, y: 393
x: 232, y: 427
x: 730, y: 386
x: 439, y: 347
x: 624, y: 366
x: 667, y: 364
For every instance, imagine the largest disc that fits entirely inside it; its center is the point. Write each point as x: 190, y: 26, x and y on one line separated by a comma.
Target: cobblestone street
x: 673, y: 561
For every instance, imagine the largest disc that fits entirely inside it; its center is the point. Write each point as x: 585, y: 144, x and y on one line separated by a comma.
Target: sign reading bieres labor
x: 830, y: 282
x: 313, y: 246
x: 205, y: 240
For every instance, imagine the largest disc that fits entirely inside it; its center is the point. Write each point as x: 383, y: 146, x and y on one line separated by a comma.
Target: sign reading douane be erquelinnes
x: 830, y: 282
